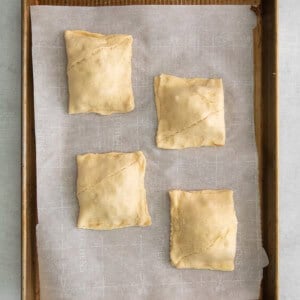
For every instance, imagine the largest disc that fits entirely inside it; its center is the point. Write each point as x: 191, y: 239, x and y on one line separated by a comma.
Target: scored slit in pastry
x: 203, y: 229
x: 110, y: 190
x: 190, y: 112
x: 99, y: 72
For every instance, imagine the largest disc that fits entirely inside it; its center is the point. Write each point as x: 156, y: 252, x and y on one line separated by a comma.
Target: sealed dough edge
x: 112, y: 214
x: 184, y: 256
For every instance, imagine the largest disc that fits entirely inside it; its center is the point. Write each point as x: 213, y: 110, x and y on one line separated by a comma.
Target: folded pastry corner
x: 203, y: 229
x: 99, y: 72
x: 110, y: 190
x: 190, y: 112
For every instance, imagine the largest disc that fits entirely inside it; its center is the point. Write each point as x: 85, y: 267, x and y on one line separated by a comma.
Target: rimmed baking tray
x: 266, y: 123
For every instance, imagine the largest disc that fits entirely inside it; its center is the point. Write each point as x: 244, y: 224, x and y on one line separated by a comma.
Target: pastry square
x: 190, y: 112
x: 110, y: 190
x: 203, y: 229
x: 99, y: 72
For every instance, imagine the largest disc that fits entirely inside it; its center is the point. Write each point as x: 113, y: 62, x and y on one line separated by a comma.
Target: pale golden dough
x: 190, y: 112
x: 99, y: 72
x: 110, y: 190
x: 203, y: 229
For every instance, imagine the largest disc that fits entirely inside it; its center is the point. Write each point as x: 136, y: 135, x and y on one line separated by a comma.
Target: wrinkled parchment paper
x: 133, y: 263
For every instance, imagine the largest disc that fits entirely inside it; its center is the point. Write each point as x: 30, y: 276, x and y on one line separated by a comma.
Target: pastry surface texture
x: 110, y: 190
x: 99, y: 72
x: 203, y: 229
x: 190, y: 112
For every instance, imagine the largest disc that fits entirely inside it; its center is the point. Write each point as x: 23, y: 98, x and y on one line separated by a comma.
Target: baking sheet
x: 133, y: 263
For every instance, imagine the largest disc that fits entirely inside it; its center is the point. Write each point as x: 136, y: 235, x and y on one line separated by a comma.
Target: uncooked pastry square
x: 99, y: 72
x: 110, y: 190
x: 190, y: 112
x: 203, y: 229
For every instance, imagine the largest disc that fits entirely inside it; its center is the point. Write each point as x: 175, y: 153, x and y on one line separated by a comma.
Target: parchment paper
x: 133, y: 263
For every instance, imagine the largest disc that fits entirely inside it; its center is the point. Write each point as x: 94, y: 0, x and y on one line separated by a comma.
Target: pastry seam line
x: 109, y: 175
x: 219, y: 237
x: 190, y: 126
x: 94, y: 52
